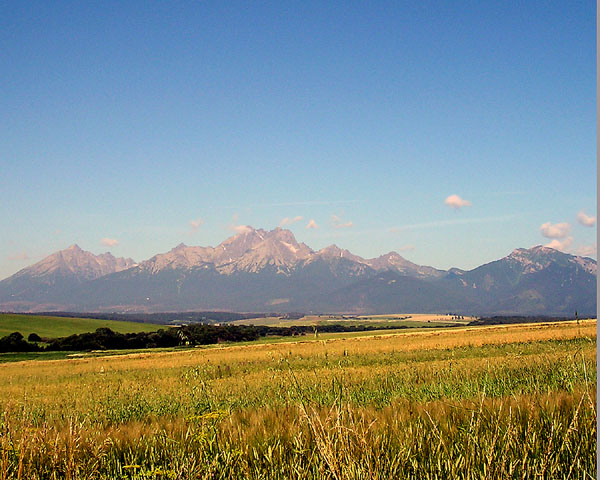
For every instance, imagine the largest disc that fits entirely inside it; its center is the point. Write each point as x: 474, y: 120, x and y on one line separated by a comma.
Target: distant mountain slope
x: 529, y: 281
x: 389, y: 291
x: 56, y: 275
x: 258, y: 270
x: 76, y: 263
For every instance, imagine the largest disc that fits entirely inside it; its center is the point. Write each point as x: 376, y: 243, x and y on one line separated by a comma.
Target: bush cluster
x: 16, y: 343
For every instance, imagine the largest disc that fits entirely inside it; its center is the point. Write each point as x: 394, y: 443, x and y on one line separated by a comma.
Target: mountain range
x: 263, y: 271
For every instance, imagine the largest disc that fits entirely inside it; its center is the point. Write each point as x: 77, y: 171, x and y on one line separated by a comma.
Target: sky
x: 451, y: 132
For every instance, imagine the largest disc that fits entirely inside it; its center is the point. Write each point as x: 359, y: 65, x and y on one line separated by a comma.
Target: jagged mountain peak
x: 282, y: 234
x: 73, y: 261
x: 283, y: 237
x: 394, y: 261
x: 245, y: 238
x: 277, y: 248
x: 539, y: 257
x: 540, y: 251
x: 181, y: 256
x: 537, y: 251
x: 248, y: 250
x: 333, y: 250
x: 391, y: 257
x: 531, y: 259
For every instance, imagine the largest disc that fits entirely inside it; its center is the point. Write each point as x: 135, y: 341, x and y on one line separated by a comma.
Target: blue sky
x: 126, y: 121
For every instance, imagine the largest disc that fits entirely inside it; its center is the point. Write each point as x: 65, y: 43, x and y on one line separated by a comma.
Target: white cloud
x: 563, y: 244
x: 337, y: 222
x: 344, y: 225
x: 586, y: 220
x: 241, y: 228
x: 196, y: 224
x: 456, y: 202
x: 109, y: 242
x: 558, y: 230
x: 312, y: 224
x: 587, y: 251
x: 406, y: 248
x: 290, y: 221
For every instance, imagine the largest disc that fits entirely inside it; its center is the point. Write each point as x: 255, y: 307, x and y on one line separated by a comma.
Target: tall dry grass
x: 513, y: 402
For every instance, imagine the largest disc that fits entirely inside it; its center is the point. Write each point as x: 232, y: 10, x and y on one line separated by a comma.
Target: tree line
x: 187, y: 335
x: 511, y: 319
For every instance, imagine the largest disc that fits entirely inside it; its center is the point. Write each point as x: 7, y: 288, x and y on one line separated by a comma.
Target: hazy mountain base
x: 543, y: 292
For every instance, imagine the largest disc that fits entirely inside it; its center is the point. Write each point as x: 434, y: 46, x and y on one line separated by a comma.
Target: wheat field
x: 516, y: 401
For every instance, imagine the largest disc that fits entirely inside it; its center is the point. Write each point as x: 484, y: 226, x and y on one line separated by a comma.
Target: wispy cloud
x: 290, y: 221
x: 337, y: 222
x: 456, y: 202
x: 196, y: 224
x: 406, y: 248
x: 301, y: 203
x: 235, y: 227
x: 587, y: 250
x: 312, y: 224
x: 109, y: 242
x: 506, y: 193
x: 586, y: 220
x: 557, y: 230
x: 345, y: 225
x: 455, y: 221
x: 19, y: 256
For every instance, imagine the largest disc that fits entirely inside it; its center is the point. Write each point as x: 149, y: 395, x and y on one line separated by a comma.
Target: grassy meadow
x: 52, y: 327
x: 511, y: 401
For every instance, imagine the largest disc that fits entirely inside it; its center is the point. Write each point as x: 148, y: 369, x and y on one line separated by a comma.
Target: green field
x: 54, y: 327
x: 497, y: 402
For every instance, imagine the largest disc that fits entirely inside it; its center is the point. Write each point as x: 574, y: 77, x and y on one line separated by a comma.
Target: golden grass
x: 406, y: 319
x: 401, y: 340
x: 511, y: 401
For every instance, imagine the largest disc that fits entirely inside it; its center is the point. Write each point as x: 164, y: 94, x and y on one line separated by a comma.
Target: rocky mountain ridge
x: 259, y: 270
x: 253, y: 250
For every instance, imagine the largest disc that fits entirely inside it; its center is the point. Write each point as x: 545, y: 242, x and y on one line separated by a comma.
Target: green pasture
x: 53, y: 327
